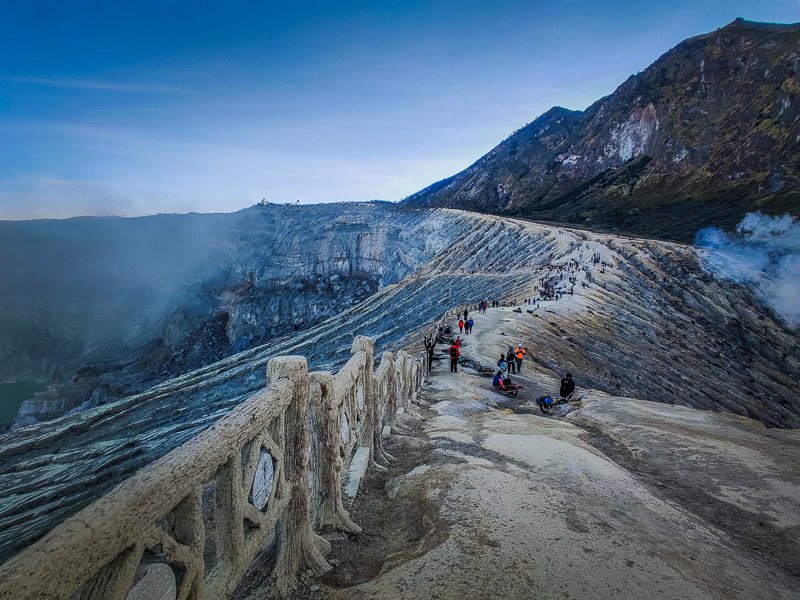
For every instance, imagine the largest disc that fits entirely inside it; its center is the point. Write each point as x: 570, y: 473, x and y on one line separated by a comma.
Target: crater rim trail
x: 511, y: 503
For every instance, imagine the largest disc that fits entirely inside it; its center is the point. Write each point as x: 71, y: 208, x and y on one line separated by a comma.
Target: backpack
x: 453, y: 352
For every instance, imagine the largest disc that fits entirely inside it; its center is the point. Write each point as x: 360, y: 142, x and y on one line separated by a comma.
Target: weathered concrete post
x: 317, y: 420
x: 391, y: 387
x: 114, y: 580
x: 366, y: 344
x: 185, y: 525
x: 229, y: 501
x: 299, y: 545
x: 402, y: 378
x: 331, y: 512
x: 415, y: 379
x: 383, y: 404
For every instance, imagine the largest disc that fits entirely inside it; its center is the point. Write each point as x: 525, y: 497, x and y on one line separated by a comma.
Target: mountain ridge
x: 705, y: 134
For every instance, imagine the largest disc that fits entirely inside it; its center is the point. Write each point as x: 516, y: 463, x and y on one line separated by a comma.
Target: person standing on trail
x: 519, y: 353
x: 429, y: 344
x: 454, y: 354
x: 502, y: 367
x: 567, y: 386
x: 460, y: 326
x: 510, y: 359
x: 470, y: 323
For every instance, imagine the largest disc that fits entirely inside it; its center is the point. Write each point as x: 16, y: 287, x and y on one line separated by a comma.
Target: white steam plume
x: 763, y: 254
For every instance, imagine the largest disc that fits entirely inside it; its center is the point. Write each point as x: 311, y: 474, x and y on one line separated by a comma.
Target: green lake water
x: 12, y: 395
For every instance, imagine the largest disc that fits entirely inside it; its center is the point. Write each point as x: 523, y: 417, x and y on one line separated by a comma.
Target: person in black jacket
x: 429, y: 344
x: 510, y: 359
x: 567, y: 386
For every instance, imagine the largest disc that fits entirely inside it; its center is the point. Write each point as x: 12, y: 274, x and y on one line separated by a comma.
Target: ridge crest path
x: 510, y: 505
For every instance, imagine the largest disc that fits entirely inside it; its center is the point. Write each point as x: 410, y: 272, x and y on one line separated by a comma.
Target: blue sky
x: 138, y: 108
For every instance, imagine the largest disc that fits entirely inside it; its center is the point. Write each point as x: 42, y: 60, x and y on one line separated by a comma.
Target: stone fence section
x: 267, y: 477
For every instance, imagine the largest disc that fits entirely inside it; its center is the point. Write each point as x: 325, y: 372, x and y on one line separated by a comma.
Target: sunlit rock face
x: 103, y: 307
x: 707, y: 133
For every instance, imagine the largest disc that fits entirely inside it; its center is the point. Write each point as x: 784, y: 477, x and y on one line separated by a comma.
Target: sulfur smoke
x: 764, y: 254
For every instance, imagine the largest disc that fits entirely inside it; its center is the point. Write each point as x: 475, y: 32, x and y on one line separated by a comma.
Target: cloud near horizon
x: 97, y: 85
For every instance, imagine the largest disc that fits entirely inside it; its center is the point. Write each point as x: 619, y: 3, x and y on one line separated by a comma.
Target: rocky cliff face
x: 707, y: 133
x: 106, y: 307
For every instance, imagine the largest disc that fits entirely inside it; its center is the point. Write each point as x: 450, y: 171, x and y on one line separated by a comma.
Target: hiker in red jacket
x: 454, y: 354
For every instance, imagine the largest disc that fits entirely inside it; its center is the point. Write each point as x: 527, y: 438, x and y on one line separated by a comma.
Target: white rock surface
x: 262, y: 482
x: 156, y: 582
x: 358, y: 468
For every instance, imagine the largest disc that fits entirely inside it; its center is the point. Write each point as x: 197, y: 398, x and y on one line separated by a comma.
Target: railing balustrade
x: 274, y: 467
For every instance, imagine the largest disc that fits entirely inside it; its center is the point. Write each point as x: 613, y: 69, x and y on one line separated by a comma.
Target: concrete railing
x: 263, y: 478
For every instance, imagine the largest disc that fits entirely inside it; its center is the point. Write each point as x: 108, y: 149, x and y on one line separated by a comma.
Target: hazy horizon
x: 123, y: 111
x: 193, y: 212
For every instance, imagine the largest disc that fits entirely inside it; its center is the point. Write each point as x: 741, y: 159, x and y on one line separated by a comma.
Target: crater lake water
x: 13, y: 394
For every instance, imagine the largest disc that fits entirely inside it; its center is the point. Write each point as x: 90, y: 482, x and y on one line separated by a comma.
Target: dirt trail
x: 488, y: 503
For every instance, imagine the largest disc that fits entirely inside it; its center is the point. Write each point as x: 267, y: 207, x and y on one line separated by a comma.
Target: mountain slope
x: 707, y: 133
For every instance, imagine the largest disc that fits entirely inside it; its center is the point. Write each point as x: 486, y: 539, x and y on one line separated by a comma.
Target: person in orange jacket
x: 519, y: 354
x: 460, y: 326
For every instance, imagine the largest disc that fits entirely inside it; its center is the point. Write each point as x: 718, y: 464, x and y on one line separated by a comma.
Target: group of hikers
x: 509, y: 361
x: 549, y: 293
x: 465, y: 327
x: 548, y: 283
x: 512, y: 360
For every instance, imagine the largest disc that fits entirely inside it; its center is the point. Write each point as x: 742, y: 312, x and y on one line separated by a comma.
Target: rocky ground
x: 620, y: 498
